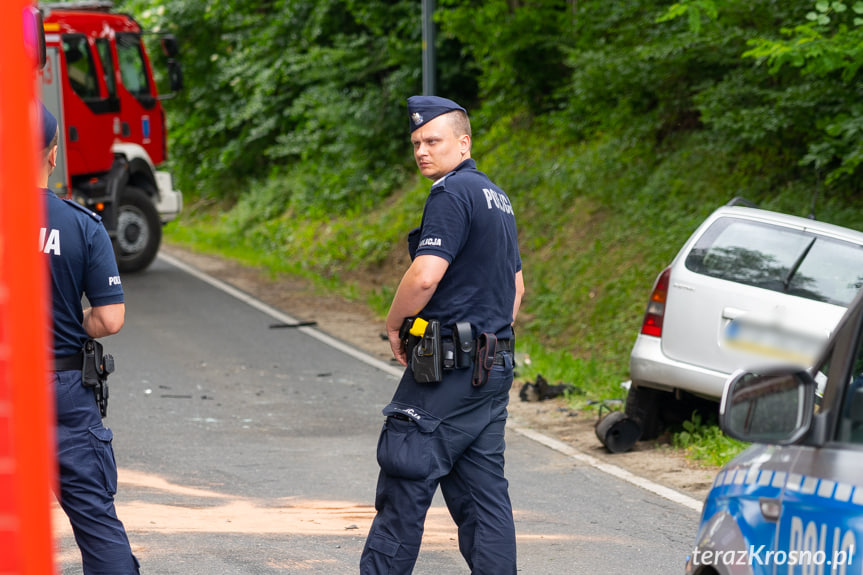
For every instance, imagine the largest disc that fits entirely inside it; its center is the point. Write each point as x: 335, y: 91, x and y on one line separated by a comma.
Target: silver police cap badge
x: 417, y: 118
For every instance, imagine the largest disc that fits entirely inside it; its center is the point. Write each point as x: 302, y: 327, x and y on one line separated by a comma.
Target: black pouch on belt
x: 97, y: 367
x: 464, y: 344
x: 486, y: 349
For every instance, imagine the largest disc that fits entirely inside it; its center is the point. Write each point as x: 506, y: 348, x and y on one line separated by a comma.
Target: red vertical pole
x: 27, y: 469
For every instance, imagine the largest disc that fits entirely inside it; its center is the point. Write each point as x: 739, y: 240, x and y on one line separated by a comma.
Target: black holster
x: 486, y: 349
x: 427, y: 355
x: 409, y: 341
x: 97, y: 366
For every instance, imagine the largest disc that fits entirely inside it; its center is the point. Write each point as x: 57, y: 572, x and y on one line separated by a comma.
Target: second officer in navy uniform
x: 465, y: 271
x: 82, y: 262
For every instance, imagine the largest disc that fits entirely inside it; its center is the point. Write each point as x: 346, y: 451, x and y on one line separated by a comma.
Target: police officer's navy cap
x: 424, y: 109
x: 49, y: 126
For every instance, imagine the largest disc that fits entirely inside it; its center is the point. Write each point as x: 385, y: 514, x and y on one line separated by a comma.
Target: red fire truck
x: 99, y: 83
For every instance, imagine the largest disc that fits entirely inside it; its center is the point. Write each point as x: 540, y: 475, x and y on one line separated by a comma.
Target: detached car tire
x: 139, y: 231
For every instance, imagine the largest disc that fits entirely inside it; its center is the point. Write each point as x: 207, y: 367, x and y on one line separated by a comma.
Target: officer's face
x: 437, y: 149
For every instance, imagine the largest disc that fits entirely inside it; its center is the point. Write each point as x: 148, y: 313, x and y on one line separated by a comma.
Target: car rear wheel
x: 655, y: 410
x: 643, y: 405
x: 139, y: 231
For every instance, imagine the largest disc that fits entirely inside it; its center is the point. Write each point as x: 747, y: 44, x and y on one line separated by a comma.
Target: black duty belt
x: 502, y: 345
x: 69, y: 362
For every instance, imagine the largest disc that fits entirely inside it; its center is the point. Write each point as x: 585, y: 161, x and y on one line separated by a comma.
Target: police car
x: 792, y: 503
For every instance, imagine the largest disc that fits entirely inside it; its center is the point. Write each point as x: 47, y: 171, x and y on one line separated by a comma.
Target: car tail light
x: 656, y: 306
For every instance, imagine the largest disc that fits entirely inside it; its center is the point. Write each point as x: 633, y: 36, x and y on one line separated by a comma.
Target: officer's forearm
x: 105, y: 320
x: 409, y: 300
x: 519, y: 293
x: 416, y: 289
x: 411, y: 297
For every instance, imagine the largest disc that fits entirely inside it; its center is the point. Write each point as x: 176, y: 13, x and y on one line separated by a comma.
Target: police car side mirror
x: 770, y: 406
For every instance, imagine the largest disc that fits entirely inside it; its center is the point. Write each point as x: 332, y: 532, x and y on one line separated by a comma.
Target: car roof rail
x: 741, y: 201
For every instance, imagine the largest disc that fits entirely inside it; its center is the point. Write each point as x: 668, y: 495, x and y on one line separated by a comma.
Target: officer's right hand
x: 397, y: 345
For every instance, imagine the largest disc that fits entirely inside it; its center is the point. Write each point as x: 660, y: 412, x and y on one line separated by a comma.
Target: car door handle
x: 771, y: 508
x: 732, y: 313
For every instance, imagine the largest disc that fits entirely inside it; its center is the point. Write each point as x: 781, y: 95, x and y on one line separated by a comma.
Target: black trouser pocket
x: 405, y: 447
x: 101, y: 438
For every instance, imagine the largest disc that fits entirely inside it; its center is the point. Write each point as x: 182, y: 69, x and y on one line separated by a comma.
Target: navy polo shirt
x: 82, y: 263
x: 469, y: 221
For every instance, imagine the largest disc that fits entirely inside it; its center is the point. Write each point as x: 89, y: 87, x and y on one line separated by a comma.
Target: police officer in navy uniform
x: 82, y: 262
x: 465, y: 267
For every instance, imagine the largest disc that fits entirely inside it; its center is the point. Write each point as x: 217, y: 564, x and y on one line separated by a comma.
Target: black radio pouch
x: 97, y: 366
x: 427, y: 356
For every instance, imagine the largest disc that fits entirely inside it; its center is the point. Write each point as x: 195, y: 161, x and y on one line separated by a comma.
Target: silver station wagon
x: 749, y: 287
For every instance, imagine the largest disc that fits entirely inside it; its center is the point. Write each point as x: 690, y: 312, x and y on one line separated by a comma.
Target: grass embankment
x: 597, y: 222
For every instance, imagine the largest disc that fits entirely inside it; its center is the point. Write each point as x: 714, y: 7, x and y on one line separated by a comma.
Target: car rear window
x: 781, y: 259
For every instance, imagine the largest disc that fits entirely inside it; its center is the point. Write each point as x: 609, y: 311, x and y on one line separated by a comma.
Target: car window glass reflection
x: 767, y: 407
x: 851, y: 416
x: 779, y: 259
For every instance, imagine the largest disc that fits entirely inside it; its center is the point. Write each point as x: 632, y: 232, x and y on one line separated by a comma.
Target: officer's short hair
x: 460, y: 123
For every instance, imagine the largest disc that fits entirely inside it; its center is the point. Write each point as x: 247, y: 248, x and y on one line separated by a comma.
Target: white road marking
x: 283, y: 317
x: 613, y: 470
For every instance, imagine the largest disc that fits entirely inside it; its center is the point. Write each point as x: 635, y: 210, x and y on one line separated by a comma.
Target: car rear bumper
x: 650, y: 367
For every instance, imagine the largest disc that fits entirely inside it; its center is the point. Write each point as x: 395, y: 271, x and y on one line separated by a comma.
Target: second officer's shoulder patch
x: 84, y: 209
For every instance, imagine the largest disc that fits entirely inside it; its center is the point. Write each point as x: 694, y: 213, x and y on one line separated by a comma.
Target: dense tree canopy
x: 311, y: 94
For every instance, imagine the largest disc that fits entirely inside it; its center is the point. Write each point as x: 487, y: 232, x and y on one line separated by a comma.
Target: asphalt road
x: 248, y: 449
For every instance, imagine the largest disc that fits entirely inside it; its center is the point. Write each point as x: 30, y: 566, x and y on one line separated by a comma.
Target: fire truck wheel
x: 139, y: 231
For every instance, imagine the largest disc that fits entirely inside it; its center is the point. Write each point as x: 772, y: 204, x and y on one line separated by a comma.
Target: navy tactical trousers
x: 449, y: 434
x: 88, y: 479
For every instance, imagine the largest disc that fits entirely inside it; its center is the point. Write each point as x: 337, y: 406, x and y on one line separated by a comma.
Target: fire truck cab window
x: 81, y: 71
x: 133, y: 70
x: 103, y: 48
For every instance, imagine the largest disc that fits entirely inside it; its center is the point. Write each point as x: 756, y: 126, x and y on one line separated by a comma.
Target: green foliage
x: 514, y: 51
x: 284, y: 88
x: 705, y: 442
x: 314, y: 92
x: 827, y: 49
